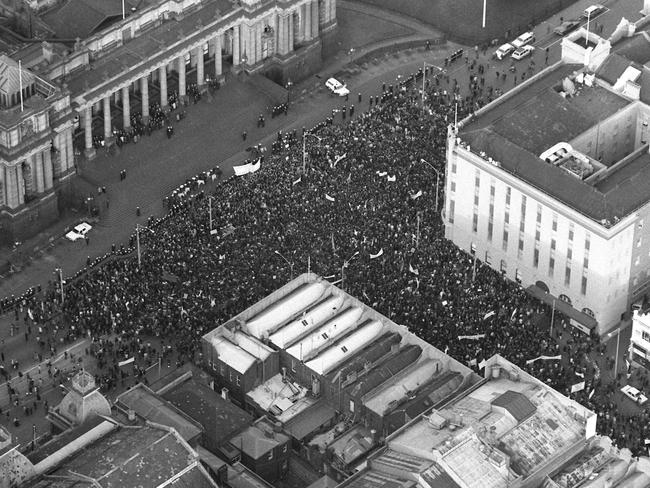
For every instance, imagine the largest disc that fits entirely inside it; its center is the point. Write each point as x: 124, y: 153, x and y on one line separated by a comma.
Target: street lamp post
x: 422, y: 160
x: 304, y: 149
x: 424, y: 77
x: 343, y: 266
x: 290, y: 263
x: 210, y: 198
x: 59, y: 271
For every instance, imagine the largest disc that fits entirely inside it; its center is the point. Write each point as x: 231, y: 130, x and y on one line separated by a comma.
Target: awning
x: 581, y: 320
x: 309, y: 420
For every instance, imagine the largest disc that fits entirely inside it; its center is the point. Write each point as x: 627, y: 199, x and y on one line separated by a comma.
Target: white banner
x: 242, y: 170
x: 373, y: 256
x: 331, y: 199
x: 413, y: 270
x: 592, y: 393
x: 256, y: 166
x: 126, y: 361
x: 546, y: 358
x: 489, y: 314
x: 296, y: 181
x: 578, y: 387
x: 482, y: 364
x: 475, y: 337
x: 392, y: 178
x: 382, y: 173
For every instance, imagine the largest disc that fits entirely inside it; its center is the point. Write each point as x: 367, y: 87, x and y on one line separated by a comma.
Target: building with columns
x: 36, y: 150
x: 123, y: 66
x: 549, y: 184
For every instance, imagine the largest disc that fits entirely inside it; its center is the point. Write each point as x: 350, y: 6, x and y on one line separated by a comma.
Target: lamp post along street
x: 424, y: 77
x: 343, y: 266
x: 290, y: 263
x: 210, y: 212
x: 137, y: 243
x: 484, y: 12
x: 437, y: 177
x: 60, y: 273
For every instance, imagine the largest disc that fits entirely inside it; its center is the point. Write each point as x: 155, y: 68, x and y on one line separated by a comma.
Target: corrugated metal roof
x: 516, y: 403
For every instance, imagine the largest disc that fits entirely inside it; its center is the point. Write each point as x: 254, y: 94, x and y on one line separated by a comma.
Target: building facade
x: 36, y: 150
x: 639, y: 351
x: 109, y: 68
x: 543, y: 185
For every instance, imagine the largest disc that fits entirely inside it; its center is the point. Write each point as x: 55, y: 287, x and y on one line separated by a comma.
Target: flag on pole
x: 392, y: 178
x: 296, y: 181
x: 417, y: 195
x: 413, y: 270
x: 373, y: 256
x: 31, y: 315
x: 482, y: 364
x: 592, y: 393
x: 126, y: 361
x: 472, y: 362
x: 578, y: 387
x: 514, y: 312
x: 446, y: 349
x: 331, y: 199
x: 489, y: 314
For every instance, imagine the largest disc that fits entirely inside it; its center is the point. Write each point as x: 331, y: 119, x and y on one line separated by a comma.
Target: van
x: 593, y: 11
x: 522, y: 40
x: 504, y: 50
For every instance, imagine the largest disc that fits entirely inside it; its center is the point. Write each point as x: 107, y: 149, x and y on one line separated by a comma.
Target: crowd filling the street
x: 357, y: 201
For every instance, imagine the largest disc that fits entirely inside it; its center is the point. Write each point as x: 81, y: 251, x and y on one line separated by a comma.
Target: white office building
x: 550, y: 184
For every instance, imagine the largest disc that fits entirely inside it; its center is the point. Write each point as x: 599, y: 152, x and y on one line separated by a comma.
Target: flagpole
x: 123, y: 13
x: 20, y: 81
x: 618, y: 341
x: 484, y: 11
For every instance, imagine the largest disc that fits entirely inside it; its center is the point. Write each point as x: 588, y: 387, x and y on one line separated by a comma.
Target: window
x: 536, y: 258
x: 492, y: 190
x: 518, y: 276
x: 570, y: 232
x: 587, y: 243
x: 505, y: 240
x: 476, y: 198
x: 222, y: 370
x: 567, y: 276
x: 551, y: 266
x: 522, y: 226
x: 453, y: 186
x: 237, y: 380
x: 472, y: 248
x: 489, y: 232
x: 537, y: 235
x: 293, y: 365
x: 521, y: 244
x: 477, y: 179
x: 583, y: 285
x: 539, y: 213
x: 554, y: 224
x: 508, y: 192
x: 351, y: 406
x: 585, y: 262
x: 325, y: 336
x: 284, y: 449
x: 488, y: 258
x: 452, y: 208
x: 588, y: 311
x: 506, y: 218
x: 304, y: 323
x: 523, y: 208
x: 569, y: 254
x: 230, y: 375
x: 453, y: 167
x: 645, y: 336
x: 475, y: 223
x: 553, y: 244
x: 344, y: 349
x: 270, y: 454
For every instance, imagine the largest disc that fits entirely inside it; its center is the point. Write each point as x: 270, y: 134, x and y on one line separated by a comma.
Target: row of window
x: 234, y: 379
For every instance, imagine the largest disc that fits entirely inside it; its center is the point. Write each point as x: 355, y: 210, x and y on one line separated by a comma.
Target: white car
x: 79, y: 231
x: 522, y: 40
x: 504, y: 50
x: 337, y: 87
x: 634, y: 394
x: 522, y: 52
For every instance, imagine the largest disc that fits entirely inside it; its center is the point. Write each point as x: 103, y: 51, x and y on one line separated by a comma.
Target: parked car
x: 634, y: 394
x: 524, y: 39
x: 522, y: 52
x: 504, y: 50
x: 565, y: 27
x: 78, y: 232
x: 593, y: 11
x: 337, y: 87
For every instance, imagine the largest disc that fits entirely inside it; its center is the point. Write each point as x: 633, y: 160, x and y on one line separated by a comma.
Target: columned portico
x: 88, y: 131
x: 126, y: 107
x: 307, y: 21
x: 48, y: 174
x: 236, y: 55
x: 162, y: 75
x: 144, y: 89
x: 38, y: 175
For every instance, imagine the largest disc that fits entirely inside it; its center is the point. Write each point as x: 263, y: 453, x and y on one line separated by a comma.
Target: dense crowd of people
x: 366, y: 206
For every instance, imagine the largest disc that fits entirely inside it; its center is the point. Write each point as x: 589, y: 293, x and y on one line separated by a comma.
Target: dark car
x: 566, y: 27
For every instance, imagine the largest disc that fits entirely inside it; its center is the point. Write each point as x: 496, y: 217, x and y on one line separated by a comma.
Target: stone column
x: 20, y: 184
x: 162, y: 74
x: 314, y: 19
x: 27, y: 173
x: 46, y: 157
x: 259, y: 30
x: 290, y: 39
x: 144, y: 88
x: 108, y: 132
x: 217, y: 56
x: 38, y: 174
x: 88, y: 132
x: 281, y: 39
x: 69, y: 160
x: 182, y: 90
x: 236, y: 56
x: 200, y: 77
x: 307, y: 21
x: 126, y: 107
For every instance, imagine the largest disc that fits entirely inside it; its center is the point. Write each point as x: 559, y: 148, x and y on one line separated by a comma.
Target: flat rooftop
x: 127, y: 457
x: 516, y: 130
